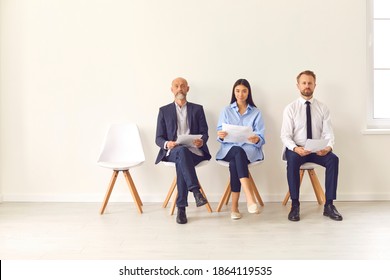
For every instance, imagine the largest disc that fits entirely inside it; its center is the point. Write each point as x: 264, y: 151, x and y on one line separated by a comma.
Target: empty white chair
x: 122, y: 150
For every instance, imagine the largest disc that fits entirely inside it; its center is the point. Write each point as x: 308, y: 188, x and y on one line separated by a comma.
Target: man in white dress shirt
x: 308, y: 118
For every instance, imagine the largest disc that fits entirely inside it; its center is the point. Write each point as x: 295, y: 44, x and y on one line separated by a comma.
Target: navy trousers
x: 238, y: 167
x: 330, y: 162
x: 187, y: 179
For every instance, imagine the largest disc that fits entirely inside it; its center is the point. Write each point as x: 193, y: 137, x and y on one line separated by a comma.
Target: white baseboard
x: 126, y: 197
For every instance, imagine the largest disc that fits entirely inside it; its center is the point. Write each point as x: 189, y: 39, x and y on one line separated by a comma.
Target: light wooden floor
x: 63, y: 231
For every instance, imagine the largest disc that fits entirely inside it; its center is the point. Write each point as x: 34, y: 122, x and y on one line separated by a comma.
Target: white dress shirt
x: 182, y: 121
x: 293, y: 132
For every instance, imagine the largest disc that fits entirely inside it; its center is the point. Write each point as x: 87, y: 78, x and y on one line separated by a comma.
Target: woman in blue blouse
x: 241, y: 111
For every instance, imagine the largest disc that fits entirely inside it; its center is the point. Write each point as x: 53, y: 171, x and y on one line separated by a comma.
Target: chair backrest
x: 284, y: 153
x: 122, y: 147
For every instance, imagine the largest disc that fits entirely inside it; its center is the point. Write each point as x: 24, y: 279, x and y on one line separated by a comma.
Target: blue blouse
x: 253, y: 118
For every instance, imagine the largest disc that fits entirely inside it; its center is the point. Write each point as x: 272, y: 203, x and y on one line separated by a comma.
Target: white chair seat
x: 226, y: 163
x: 309, y: 165
x: 120, y: 166
x: 172, y: 164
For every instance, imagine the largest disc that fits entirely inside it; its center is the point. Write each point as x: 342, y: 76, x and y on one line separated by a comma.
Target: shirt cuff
x: 291, y: 147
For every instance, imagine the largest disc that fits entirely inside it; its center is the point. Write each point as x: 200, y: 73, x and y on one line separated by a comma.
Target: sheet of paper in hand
x: 237, y: 133
x: 187, y: 139
x: 315, y: 145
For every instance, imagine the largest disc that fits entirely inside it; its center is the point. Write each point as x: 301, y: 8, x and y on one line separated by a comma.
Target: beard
x: 307, y: 93
x: 180, y: 96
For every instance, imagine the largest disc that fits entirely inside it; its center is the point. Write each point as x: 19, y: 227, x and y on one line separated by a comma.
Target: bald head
x: 180, y: 80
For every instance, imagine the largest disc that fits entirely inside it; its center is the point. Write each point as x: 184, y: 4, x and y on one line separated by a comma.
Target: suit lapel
x: 174, y: 120
x: 189, y: 115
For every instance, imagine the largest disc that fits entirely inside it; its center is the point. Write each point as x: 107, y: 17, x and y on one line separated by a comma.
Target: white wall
x: 70, y: 68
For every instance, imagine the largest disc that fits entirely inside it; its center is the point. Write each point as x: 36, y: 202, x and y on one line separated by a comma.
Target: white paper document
x: 237, y: 133
x: 315, y: 145
x: 187, y: 139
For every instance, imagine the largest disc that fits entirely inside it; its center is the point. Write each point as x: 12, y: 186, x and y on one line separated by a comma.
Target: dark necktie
x: 308, y: 120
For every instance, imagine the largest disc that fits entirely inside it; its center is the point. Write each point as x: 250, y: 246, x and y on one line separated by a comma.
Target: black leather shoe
x: 181, y: 217
x: 200, y: 199
x: 294, y: 214
x: 331, y: 212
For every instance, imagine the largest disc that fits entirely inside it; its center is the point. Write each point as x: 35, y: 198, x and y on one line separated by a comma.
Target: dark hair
x: 306, y: 72
x: 246, y: 84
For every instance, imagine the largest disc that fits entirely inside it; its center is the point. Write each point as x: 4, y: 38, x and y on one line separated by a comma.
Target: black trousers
x: 238, y: 167
x: 187, y: 179
x: 330, y: 162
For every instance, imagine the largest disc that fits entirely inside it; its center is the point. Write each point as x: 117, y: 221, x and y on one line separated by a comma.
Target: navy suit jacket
x: 167, y: 127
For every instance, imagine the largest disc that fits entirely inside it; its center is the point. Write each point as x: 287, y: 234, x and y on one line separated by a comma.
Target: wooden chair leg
x: 301, y: 173
x: 208, y: 204
x: 257, y: 195
x: 130, y: 180
x: 169, y: 195
x: 175, y: 199
x: 109, y: 190
x: 229, y: 194
x: 255, y: 191
x: 319, y: 192
x: 133, y: 190
x: 224, y: 198
x: 173, y: 206
x: 286, y: 198
x: 171, y: 189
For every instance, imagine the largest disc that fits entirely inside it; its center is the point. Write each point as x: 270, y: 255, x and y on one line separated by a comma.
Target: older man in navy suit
x: 183, y: 118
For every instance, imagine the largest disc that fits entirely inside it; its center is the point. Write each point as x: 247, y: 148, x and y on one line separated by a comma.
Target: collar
x: 303, y: 100
x: 182, y: 107
x: 235, y: 106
